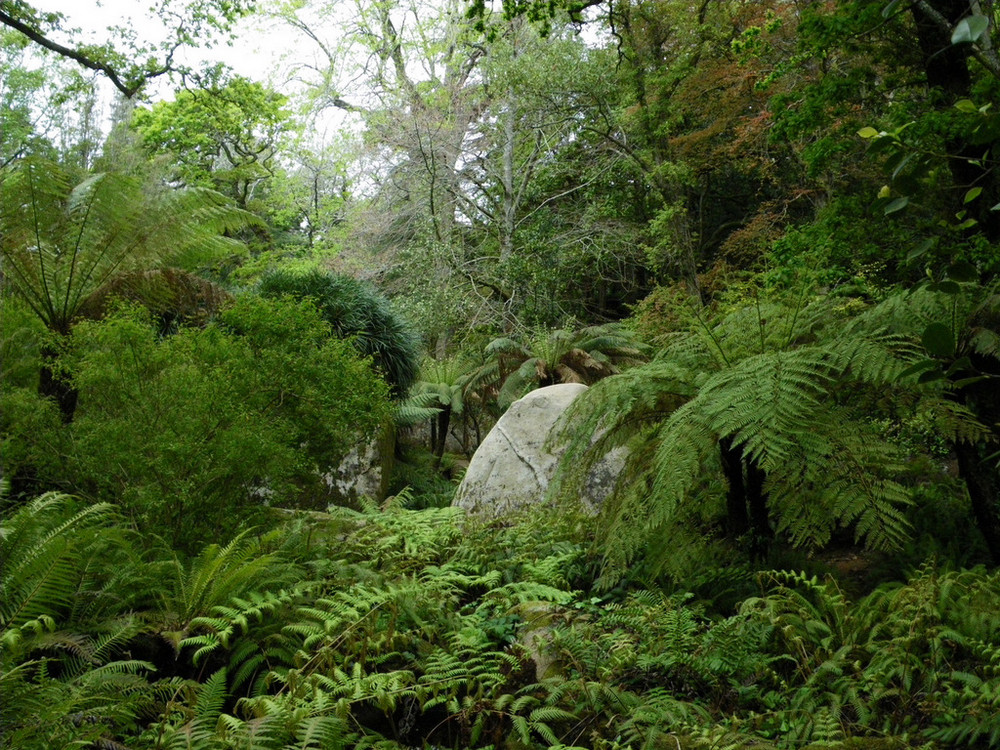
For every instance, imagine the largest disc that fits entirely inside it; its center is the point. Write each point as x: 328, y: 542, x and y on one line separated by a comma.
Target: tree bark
x: 760, y: 526
x: 443, y: 420
x: 984, y: 494
x: 977, y: 468
x: 52, y: 385
x: 746, y: 501
x: 737, y: 518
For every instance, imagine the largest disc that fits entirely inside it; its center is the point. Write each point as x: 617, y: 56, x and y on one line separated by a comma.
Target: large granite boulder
x: 514, y: 465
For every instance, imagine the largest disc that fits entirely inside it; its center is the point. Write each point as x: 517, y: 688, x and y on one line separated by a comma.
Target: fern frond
x: 60, y: 244
x: 42, y: 545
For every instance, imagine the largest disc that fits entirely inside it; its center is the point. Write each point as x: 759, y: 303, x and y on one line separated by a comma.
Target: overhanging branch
x: 128, y: 88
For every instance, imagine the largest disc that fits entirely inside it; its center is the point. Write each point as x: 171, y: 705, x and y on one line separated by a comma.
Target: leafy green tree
x: 195, y: 433
x: 225, y: 137
x: 62, y: 242
x: 127, y: 62
x: 28, y: 101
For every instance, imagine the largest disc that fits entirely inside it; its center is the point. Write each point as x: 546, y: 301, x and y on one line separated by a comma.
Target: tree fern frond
x: 762, y: 380
x: 60, y: 244
x: 41, y: 545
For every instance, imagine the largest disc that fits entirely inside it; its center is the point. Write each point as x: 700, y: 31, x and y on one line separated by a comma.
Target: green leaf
x: 901, y: 165
x: 972, y: 194
x: 957, y: 366
x: 962, y: 271
x: 965, y: 105
x: 969, y: 29
x: 930, y: 376
x: 938, y: 340
x: 890, y: 8
x: 920, y: 250
x: 968, y: 381
x: 868, y: 132
x: 945, y: 287
x: 918, y: 367
x: 898, y: 204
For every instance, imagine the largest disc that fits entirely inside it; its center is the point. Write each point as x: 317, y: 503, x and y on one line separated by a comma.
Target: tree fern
x: 958, y: 330
x: 512, y: 368
x: 61, y: 243
x: 749, y: 399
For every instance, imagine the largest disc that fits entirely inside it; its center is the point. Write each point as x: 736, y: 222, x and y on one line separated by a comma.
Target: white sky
x: 255, y: 54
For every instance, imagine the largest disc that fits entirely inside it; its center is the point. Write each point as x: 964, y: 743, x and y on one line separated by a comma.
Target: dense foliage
x: 193, y: 434
x: 395, y: 628
x: 357, y: 311
x: 235, y: 322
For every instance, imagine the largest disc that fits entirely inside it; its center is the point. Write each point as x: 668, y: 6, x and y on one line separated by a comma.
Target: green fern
x: 760, y: 383
x: 62, y: 243
x: 213, y: 579
x: 42, y: 546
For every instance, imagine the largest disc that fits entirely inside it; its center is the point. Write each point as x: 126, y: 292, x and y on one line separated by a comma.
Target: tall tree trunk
x: 737, y: 518
x: 977, y: 466
x: 760, y: 527
x: 980, y: 477
x: 52, y: 385
x: 443, y: 420
x: 746, y: 501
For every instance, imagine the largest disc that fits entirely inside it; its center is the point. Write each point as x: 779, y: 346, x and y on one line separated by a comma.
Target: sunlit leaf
x: 920, y: 250
x: 969, y: 29
x: 890, y: 8
x: 897, y: 204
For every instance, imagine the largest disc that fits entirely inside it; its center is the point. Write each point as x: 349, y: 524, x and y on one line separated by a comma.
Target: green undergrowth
x: 397, y: 628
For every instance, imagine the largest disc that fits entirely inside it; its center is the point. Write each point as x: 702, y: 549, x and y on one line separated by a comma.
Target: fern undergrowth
x: 393, y: 628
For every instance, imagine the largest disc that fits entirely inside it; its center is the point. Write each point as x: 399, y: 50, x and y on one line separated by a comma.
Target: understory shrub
x: 193, y: 434
x: 357, y: 311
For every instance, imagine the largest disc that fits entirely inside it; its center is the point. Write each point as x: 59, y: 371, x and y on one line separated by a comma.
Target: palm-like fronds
x: 445, y: 381
x: 754, y: 389
x: 511, y: 368
x: 438, y: 395
x: 356, y: 310
x: 174, y: 295
x: 61, y: 243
